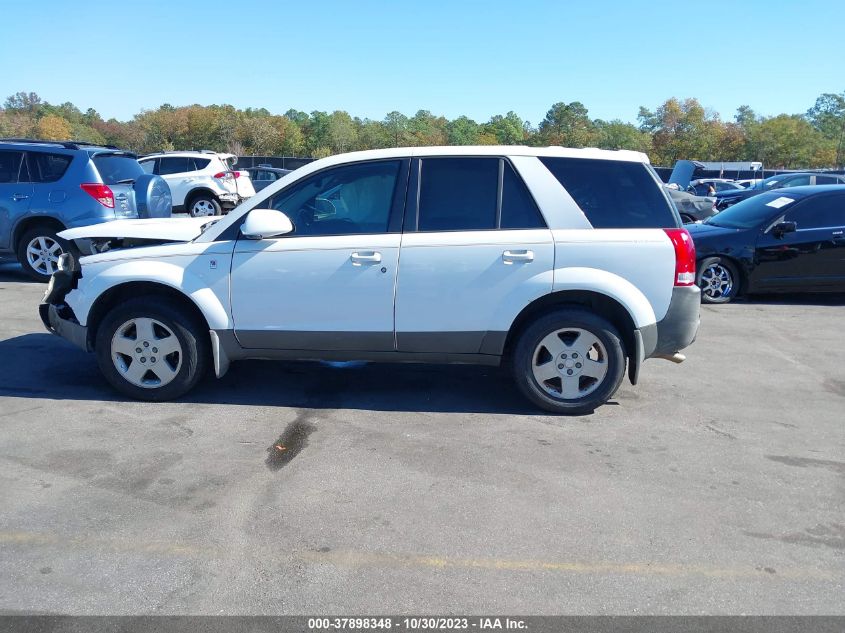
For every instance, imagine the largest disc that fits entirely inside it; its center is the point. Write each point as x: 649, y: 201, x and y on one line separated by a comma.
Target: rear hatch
x: 243, y: 183
x: 119, y: 170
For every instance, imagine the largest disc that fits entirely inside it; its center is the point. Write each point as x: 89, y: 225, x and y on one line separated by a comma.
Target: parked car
x: 691, y: 207
x: 701, y: 187
x: 570, y: 264
x: 264, y: 175
x: 203, y: 183
x: 724, y: 199
x: 49, y: 186
x: 789, y: 240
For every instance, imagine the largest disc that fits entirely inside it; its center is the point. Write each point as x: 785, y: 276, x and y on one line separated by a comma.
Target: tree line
x: 676, y: 129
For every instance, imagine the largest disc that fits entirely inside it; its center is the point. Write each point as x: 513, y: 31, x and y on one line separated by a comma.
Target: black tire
x: 527, y: 346
x: 203, y: 199
x: 191, y: 335
x: 719, y: 268
x: 48, y: 233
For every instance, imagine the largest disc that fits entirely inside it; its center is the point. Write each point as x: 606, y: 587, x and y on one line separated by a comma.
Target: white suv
x: 202, y: 183
x: 570, y: 264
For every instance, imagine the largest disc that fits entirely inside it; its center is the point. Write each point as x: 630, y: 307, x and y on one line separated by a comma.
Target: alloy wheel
x: 570, y: 363
x: 202, y: 208
x: 42, y: 254
x: 146, y: 353
x: 717, y: 282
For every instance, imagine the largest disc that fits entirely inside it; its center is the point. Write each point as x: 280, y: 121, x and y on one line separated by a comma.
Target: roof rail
x: 65, y: 144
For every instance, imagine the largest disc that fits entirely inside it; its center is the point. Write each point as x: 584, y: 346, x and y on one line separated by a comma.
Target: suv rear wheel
x: 204, y: 205
x: 150, y: 350
x: 569, y: 361
x: 38, y: 251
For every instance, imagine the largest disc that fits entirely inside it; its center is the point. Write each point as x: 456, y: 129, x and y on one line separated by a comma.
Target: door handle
x: 509, y: 257
x: 19, y: 196
x: 365, y: 257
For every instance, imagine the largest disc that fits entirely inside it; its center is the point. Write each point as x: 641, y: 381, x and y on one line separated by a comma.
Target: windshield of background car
x: 114, y: 168
x: 753, y: 211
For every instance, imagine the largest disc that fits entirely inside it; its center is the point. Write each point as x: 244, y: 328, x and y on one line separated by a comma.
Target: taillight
x: 684, y: 256
x: 236, y: 174
x: 226, y: 174
x: 101, y: 193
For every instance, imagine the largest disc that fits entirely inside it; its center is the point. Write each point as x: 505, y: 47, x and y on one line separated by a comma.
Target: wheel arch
x: 134, y: 289
x: 601, y: 304
x: 193, y: 194
x: 27, y: 222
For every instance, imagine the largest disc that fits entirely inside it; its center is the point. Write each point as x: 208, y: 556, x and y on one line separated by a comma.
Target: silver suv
x: 49, y: 186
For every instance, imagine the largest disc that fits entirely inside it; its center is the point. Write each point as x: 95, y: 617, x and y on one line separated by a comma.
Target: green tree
x: 619, y: 135
x: 508, y: 129
x: 342, y: 133
x: 462, y: 131
x: 567, y: 125
x: 828, y: 116
x: 396, y: 125
x: 52, y: 128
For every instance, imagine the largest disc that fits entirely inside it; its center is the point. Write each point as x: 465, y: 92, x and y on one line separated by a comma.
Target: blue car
x: 49, y: 186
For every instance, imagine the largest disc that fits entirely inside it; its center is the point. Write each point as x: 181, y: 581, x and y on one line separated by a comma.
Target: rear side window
x: 613, y: 194
x: 148, y: 166
x: 819, y: 212
x: 115, y: 168
x: 519, y: 211
x: 458, y: 194
x: 197, y: 164
x: 48, y: 167
x: 10, y: 165
x: 173, y: 165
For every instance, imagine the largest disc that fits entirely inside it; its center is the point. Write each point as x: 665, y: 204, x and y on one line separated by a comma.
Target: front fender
x: 610, y: 284
x: 203, y: 278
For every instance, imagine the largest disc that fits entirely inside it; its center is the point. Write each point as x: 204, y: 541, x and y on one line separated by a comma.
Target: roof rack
x: 65, y: 144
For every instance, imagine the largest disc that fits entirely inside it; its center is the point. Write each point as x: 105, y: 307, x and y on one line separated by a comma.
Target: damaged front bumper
x: 56, y: 315
x: 60, y: 321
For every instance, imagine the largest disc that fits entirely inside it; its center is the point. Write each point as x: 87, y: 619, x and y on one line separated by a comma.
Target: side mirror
x: 262, y: 224
x: 782, y: 228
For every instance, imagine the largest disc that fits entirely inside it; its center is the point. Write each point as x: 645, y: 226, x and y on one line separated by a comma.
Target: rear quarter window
x: 613, y: 194
x: 48, y: 167
x: 114, y: 168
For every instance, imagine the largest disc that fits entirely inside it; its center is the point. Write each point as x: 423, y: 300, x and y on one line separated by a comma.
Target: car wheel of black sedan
x: 718, y: 279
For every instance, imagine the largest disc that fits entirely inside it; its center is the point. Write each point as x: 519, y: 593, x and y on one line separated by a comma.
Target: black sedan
x: 724, y: 199
x: 789, y: 240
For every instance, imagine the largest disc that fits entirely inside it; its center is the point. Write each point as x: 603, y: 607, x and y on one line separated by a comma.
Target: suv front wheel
x: 151, y: 350
x: 569, y: 361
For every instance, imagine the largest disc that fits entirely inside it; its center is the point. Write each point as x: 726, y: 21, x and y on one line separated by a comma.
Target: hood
x: 683, y: 172
x: 736, y: 193
x: 703, y: 231
x: 157, y: 230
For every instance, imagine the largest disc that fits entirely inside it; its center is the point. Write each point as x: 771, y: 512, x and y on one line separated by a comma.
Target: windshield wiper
x: 208, y: 225
x: 126, y: 181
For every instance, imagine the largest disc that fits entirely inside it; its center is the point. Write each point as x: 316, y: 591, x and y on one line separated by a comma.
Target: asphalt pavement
x: 715, y: 486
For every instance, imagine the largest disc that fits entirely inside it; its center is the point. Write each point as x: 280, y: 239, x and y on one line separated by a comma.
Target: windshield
x: 769, y: 182
x: 752, y: 212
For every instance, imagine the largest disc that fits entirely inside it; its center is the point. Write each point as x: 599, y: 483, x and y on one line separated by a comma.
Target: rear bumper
x: 679, y: 327
x: 63, y: 325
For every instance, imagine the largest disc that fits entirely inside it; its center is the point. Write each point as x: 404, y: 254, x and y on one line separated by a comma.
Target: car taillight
x: 101, y: 193
x: 684, y: 256
x: 220, y: 175
x: 236, y: 174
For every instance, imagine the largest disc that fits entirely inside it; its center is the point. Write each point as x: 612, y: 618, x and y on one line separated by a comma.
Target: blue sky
x: 460, y: 57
